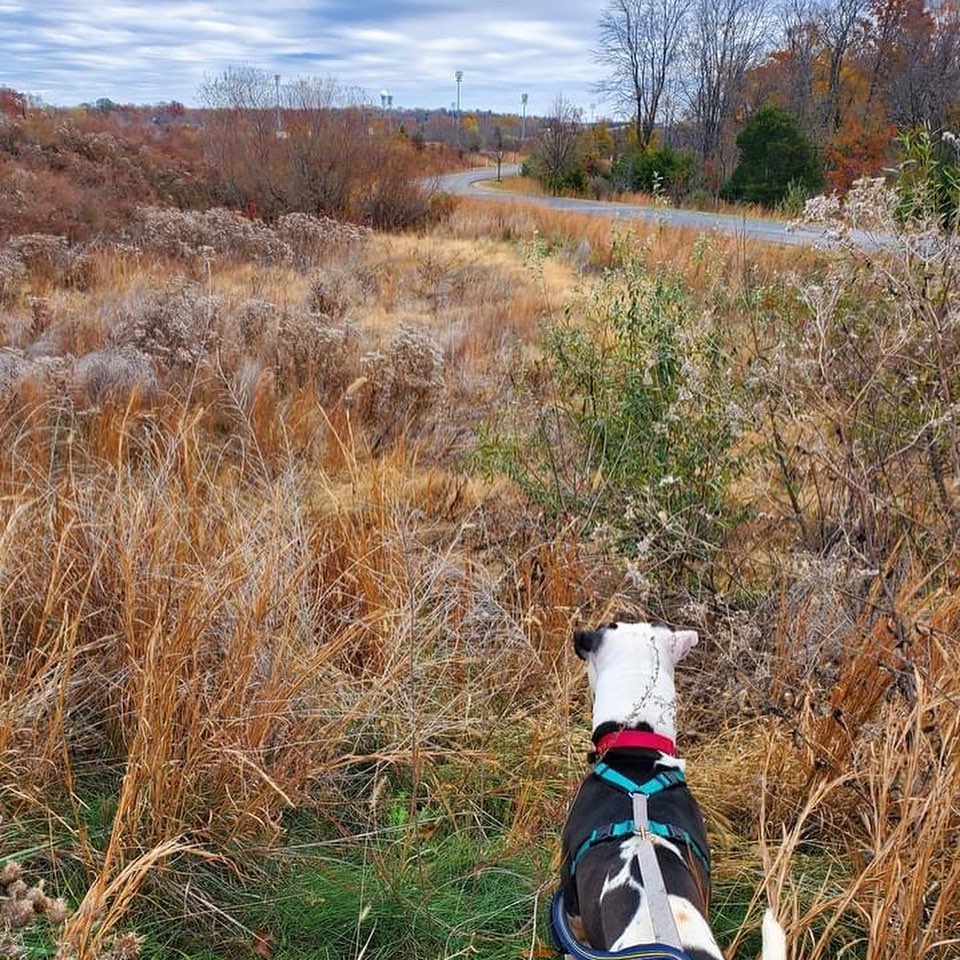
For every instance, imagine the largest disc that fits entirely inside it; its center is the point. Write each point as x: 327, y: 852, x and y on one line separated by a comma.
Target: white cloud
x: 149, y: 51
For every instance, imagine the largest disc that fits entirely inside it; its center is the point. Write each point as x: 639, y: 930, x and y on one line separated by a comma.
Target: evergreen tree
x: 774, y: 155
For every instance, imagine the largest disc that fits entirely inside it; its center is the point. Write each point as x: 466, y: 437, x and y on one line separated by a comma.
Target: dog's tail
x: 774, y: 939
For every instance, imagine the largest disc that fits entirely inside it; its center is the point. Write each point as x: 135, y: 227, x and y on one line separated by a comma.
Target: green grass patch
x: 397, y: 897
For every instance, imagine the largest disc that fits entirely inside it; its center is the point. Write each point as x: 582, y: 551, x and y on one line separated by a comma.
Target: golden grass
x: 732, y: 258
x: 530, y: 187
x: 238, y: 650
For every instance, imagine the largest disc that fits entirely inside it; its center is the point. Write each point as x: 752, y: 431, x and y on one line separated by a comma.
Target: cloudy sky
x: 70, y: 51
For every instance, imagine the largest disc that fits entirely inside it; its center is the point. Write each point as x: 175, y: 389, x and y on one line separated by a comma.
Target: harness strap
x: 626, y: 828
x: 655, y: 890
x: 663, y: 780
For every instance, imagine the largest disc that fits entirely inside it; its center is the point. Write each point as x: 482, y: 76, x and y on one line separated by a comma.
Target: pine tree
x: 774, y: 155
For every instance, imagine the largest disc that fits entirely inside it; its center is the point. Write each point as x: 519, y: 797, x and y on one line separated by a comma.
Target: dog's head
x: 630, y: 667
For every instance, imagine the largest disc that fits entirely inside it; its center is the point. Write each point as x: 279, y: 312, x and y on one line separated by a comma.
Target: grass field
x: 297, y: 522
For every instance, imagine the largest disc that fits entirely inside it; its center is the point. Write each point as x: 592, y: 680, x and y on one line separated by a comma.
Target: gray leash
x: 661, y: 916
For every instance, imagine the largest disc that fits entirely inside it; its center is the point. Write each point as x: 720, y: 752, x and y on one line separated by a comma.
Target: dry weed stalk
x: 880, y: 799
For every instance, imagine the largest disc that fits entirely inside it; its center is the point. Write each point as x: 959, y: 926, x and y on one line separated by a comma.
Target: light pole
x: 459, y: 76
x: 386, y: 105
x: 523, y: 122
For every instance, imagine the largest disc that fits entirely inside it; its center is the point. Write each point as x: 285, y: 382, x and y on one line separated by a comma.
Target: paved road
x: 470, y: 184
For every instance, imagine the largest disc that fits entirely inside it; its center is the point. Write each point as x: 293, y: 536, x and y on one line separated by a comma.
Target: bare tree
x: 727, y: 39
x: 556, y: 150
x: 837, y: 21
x: 641, y: 42
x: 240, y: 129
x: 801, y: 42
x: 944, y: 65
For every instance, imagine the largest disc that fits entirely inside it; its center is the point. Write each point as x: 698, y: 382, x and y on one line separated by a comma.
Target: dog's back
x: 606, y: 889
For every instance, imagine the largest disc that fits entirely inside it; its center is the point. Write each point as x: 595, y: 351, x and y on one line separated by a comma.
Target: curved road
x: 470, y: 184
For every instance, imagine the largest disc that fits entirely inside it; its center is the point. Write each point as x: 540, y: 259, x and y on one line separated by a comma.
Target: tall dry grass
x: 232, y: 586
x: 872, y: 797
x: 217, y: 652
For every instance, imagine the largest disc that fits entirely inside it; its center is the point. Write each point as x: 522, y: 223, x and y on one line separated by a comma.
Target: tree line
x: 844, y: 77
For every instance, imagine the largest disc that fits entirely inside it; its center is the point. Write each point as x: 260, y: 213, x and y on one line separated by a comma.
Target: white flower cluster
x: 406, y: 376
x: 174, y: 326
x: 297, y: 238
x: 869, y: 205
x: 312, y: 237
x: 191, y: 234
x: 312, y: 352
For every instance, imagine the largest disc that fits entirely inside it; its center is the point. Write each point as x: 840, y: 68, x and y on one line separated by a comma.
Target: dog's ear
x: 586, y: 641
x: 682, y: 642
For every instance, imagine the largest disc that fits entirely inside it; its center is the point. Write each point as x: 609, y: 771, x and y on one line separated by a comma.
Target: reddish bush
x: 322, y: 156
x: 81, y: 175
x: 857, y: 150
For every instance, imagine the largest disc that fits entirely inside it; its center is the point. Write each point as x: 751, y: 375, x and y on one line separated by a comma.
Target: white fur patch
x: 774, y: 939
x: 631, y: 675
x: 694, y: 931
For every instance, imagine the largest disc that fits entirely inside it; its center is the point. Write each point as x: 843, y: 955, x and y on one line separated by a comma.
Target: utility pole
x: 523, y: 122
x: 459, y: 76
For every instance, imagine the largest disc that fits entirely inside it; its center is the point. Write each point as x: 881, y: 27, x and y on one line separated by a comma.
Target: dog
x: 635, y: 876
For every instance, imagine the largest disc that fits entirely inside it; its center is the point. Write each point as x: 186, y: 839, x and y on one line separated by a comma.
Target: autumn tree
x: 641, y: 44
x: 12, y: 103
x: 837, y: 22
x: 795, y: 63
x: 852, y: 74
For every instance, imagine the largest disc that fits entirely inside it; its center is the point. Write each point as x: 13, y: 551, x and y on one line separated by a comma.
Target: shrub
x: 312, y: 237
x: 328, y: 295
x: 330, y: 160
x: 113, y: 374
x: 313, y: 352
x: 773, y: 155
x: 636, y: 432
x: 45, y: 257
x: 403, y: 382
x: 189, y: 234
x: 12, y: 274
x: 928, y: 179
x: 871, y: 360
x: 85, y: 176
x: 175, y: 326
x: 655, y: 170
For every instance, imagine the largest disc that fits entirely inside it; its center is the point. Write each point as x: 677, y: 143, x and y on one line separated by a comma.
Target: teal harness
x: 641, y: 826
x: 659, y: 782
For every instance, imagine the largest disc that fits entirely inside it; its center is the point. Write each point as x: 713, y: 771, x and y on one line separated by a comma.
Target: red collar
x: 636, y: 738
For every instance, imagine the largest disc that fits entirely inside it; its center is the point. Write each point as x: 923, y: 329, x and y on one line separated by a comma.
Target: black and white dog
x: 636, y: 864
